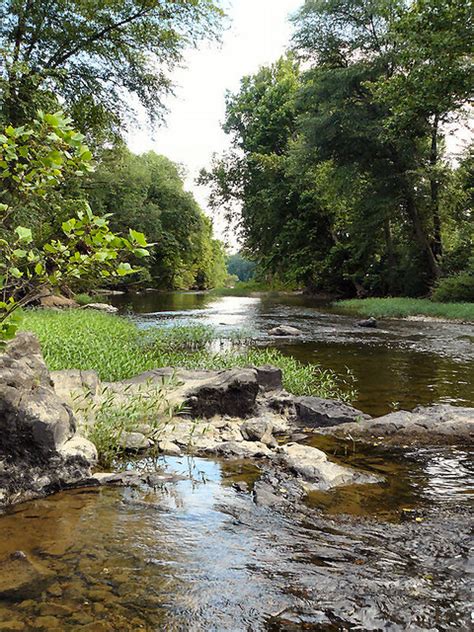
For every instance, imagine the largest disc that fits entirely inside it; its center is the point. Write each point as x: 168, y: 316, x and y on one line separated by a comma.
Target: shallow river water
x: 199, y: 555
x: 402, y: 363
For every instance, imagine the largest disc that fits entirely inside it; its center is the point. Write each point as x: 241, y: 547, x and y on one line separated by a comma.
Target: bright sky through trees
x: 259, y: 32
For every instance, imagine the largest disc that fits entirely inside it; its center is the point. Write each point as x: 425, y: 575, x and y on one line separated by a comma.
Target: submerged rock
x: 40, y: 451
x: 21, y: 578
x: 285, y: 330
x: 317, y: 412
x: 370, y: 323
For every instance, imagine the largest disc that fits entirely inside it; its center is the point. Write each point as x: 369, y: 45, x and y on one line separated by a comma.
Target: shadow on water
x: 198, y: 555
x: 401, y: 364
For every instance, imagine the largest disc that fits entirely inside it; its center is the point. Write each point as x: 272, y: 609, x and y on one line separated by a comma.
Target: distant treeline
x: 339, y: 159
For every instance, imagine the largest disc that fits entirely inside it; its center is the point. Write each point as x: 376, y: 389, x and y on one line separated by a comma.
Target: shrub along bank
x: 404, y: 307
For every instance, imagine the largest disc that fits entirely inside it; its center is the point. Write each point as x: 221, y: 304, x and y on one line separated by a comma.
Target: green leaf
x: 24, y: 234
x: 138, y: 237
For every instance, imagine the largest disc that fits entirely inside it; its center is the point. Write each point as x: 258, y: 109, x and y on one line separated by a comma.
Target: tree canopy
x: 92, y: 55
x: 338, y: 156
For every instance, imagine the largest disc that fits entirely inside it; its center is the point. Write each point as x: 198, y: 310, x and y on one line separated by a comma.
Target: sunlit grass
x: 404, y: 307
x: 116, y: 349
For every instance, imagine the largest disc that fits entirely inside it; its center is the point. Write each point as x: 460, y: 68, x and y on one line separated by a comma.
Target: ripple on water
x: 197, y: 555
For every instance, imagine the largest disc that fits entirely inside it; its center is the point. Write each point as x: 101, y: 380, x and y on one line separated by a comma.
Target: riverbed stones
x: 22, y: 578
x: 318, y: 412
x: 285, y: 330
x: 232, y: 392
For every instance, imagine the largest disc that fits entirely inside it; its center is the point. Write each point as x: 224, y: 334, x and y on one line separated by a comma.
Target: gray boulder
x: 269, y: 378
x: 40, y: 451
x: 313, y: 466
x: 285, y: 330
x: 318, y: 412
x: 369, y: 323
x: 426, y: 425
x: 233, y: 392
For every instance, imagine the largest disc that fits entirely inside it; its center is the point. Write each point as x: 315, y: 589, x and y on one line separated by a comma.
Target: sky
x: 259, y: 32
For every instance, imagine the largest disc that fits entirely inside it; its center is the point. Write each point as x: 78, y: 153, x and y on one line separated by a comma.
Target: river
x: 401, y: 364
x: 200, y: 555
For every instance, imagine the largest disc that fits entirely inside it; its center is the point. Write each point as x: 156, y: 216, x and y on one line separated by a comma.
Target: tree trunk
x: 434, y: 185
x: 421, y: 235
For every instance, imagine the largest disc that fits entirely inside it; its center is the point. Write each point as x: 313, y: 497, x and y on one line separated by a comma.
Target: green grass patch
x: 404, y: 307
x: 115, y: 348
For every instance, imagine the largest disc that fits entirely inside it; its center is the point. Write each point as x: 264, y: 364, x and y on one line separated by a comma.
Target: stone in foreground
x: 40, y: 451
x: 232, y: 392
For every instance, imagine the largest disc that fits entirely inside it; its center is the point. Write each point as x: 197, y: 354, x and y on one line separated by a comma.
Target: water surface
x: 401, y: 364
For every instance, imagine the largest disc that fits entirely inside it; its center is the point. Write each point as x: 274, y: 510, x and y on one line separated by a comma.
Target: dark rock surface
x: 233, y: 392
x: 318, y: 412
x: 369, y: 323
x: 40, y: 451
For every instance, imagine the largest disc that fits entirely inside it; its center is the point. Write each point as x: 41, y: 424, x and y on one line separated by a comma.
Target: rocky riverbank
x: 235, y: 414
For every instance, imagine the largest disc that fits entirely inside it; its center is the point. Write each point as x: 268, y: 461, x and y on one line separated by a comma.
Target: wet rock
x: 168, y: 447
x: 318, y: 412
x: 12, y: 626
x: 101, y: 307
x: 131, y: 478
x: 40, y: 451
x: 264, y: 495
x: 285, y: 330
x: 47, y: 623
x: 233, y: 392
x: 21, y: 578
x: 314, y: 467
x: 424, y: 425
x: 241, y: 486
x: 370, y: 323
x: 242, y: 450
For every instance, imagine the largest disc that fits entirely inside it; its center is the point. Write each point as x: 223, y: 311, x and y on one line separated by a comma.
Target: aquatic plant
x: 117, y: 349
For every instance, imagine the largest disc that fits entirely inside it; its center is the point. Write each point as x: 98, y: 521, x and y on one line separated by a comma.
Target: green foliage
x: 115, y: 348
x: 455, y: 289
x: 147, y: 192
x: 108, y: 418
x: 83, y: 298
x: 91, y: 56
x: 35, y: 159
x: 340, y: 168
x: 242, y: 268
x: 405, y: 307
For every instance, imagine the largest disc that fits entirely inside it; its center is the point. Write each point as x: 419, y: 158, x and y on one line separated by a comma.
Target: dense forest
x: 85, y: 64
x: 339, y: 158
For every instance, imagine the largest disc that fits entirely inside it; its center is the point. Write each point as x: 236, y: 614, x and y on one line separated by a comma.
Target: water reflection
x: 197, y: 555
x: 399, y: 365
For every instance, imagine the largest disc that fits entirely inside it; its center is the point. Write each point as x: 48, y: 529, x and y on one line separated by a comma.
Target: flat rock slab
x: 313, y: 466
x: 426, y: 425
x: 318, y: 412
